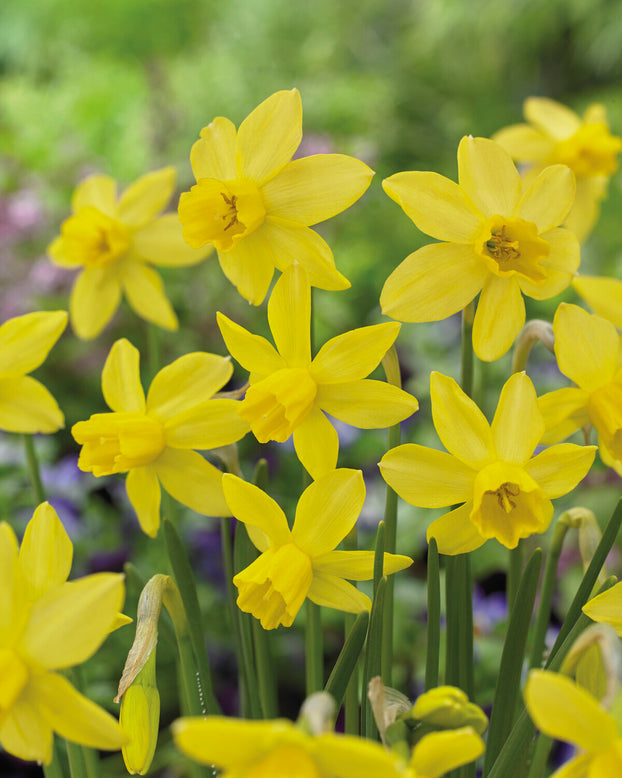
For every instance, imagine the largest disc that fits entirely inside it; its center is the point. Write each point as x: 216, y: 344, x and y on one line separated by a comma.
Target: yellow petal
x: 143, y: 491
x: 46, y: 552
x: 249, y: 265
x: 358, y: 565
x: 524, y: 143
x: 97, y: 191
x: 548, y: 198
x: 69, y: 622
x: 248, y: 503
x: 289, y: 315
x: 209, y: 425
x: 147, y: 196
x: 269, y: 136
x: 162, y: 243
x: 95, y: 297
x: 426, y: 477
x: 333, y: 592
x: 353, y: 757
x: 24, y: 732
x: 606, y: 608
x: 586, y: 207
x: 121, y: 378
x: 192, y: 481
x: 488, y: 176
x: 315, y: 188
x: 433, y: 283
x: 604, y: 295
x: 213, y: 155
x: 552, y: 118
x: 560, y: 468
x: 455, y: 533
x: 316, y: 443
x: 56, y: 252
x: 560, y: 265
x: 353, y: 355
x: 253, y: 352
x: 27, y: 406
x: 439, y: 752
x: 517, y: 426
x: 25, y: 341
x: 327, y: 511
x: 144, y: 290
x: 437, y: 205
x: 460, y: 424
x: 13, y: 602
x: 499, y: 317
x: 564, y: 411
x: 366, y: 404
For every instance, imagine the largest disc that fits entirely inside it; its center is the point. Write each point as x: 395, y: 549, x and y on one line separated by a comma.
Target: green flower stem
x: 340, y: 679
x: 265, y: 671
x: 459, y: 631
x: 92, y: 765
x: 184, y: 578
x: 390, y: 533
x: 54, y: 769
x: 452, y: 619
x: 515, y: 563
x: 373, y: 659
x: 379, y: 561
x: 313, y: 648
x: 466, y: 378
x: 352, y: 723
x: 433, y: 638
x: 507, y: 695
x: 535, y: 330
x: 77, y: 768
x: 540, y: 756
x: 33, y: 469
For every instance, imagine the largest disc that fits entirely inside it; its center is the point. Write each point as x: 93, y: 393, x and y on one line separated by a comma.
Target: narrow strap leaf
x: 347, y: 659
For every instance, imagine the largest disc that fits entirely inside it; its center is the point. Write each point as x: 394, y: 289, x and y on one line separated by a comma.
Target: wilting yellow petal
x: 146, y: 197
x: 46, y: 551
x: 121, y: 384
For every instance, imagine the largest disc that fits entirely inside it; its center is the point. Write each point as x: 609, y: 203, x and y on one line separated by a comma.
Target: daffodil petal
x: 213, y: 155
x: 354, y: 354
x: 586, y: 207
x: 144, y: 290
x: 350, y: 757
x: 249, y: 265
x: 358, y: 565
x: 27, y: 406
x: 333, y: 592
x: 564, y: 411
x: 254, y: 353
x: 606, y: 608
x: 414, y: 291
x: 69, y: 622
x: 56, y: 253
x: 548, y: 198
x: 97, y: 191
x: 24, y: 732
x: 46, y: 552
x: 560, y: 265
x: 460, y: 424
x: 366, y: 404
x: 248, y: 503
x: 13, y: 603
x: 565, y: 711
x: 586, y: 346
x: 316, y: 443
x: 269, y: 136
x: 94, y: 298
x: 161, y: 242
x: 439, y: 752
x: 499, y: 317
x: 25, y: 341
x: 209, y: 425
x: 551, y: 117
x: 455, y: 533
x: 327, y: 511
x: 604, y: 295
x: 575, y: 768
x: 192, y: 481
x: 426, y: 477
x: 437, y: 205
x: 488, y: 176
x: 517, y: 426
x: 559, y: 469
x: 524, y: 143
x: 143, y: 491
x: 121, y: 384
x: 147, y: 196
x: 289, y: 315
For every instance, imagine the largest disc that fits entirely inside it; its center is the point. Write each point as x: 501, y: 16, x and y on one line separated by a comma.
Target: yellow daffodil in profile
x: 290, y: 392
x: 302, y: 562
x: 506, y: 492
x: 25, y: 341
x: 152, y: 439
x: 565, y: 711
x: 115, y: 241
x: 46, y: 626
x: 589, y: 352
x: 498, y: 238
x: 556, y: 134
x: 255, y: 204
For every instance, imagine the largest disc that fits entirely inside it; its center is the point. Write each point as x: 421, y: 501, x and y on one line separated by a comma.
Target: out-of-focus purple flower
x: 488, y: 610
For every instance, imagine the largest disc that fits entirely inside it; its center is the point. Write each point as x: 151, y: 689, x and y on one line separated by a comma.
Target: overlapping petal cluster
x: 589, y: 352
x: 290, y: 392
x: 255, y: 204
x: 506, y: 492
x: 47, y: 625
x: 499, y: 238
x: 25, y: 341
x: 302, y: 562
x: 115, y: 241
x: 152, y: 439
x: 557, y: 135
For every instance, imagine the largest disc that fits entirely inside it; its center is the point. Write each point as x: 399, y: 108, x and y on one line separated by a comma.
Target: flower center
x: 275, y: 585
x: 118, y: 442
x: 605, y: 410
x: 591, y: 151
x: 13, y: 678
x: 277, y: 404
x: 92, y: 239
x: 511, y: 246
x: 220, y: 212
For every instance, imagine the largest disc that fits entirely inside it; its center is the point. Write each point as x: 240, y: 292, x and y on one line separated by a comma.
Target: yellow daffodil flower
x: 602, y: 294
x: 302, y: 562
x: 116, y: 241
x: 152, y: 439
x: 506, y: 492
x: 588, y: 350
x: 499, y: 239
x: 565, y: 711
x: 556, y: 134
x: 255, y: 204
x: 49, y: 624
x: 290, y: 392
x: 25, y: 341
